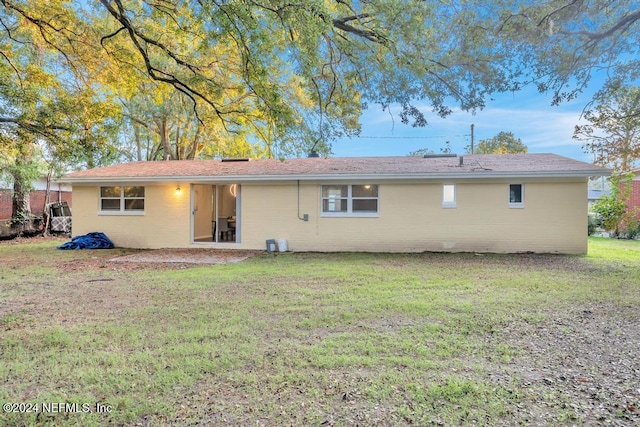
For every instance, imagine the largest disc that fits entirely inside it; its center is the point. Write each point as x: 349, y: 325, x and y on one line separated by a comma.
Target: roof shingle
x: 488, y: 165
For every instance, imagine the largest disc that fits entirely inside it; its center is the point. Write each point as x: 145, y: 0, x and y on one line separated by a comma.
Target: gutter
x: 337, y: 177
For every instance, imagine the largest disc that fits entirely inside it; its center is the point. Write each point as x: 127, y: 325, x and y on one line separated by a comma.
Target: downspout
x: 304, y: 217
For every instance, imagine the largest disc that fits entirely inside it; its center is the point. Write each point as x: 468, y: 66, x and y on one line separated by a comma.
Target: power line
x: 406, y: 137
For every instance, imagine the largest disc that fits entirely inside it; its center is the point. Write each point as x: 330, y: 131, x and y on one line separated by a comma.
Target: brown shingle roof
x: 474, y: 166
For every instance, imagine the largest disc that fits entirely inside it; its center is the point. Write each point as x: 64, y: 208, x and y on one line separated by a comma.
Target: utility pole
x: 472, y: 126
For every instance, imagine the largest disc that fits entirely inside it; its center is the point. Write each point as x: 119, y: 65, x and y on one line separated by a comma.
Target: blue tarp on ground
x: 89, y: 241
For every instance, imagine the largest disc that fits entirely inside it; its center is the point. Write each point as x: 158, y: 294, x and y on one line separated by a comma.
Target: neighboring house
x: 59, y: 192
x: 593, y: 195
x: 479, y: 203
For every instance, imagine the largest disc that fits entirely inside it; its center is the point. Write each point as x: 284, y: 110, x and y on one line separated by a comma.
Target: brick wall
x: 633, y: 202
x: 37, y: 201
x: 5, y: 204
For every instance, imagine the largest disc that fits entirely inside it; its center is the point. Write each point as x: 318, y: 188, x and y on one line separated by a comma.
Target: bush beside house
x: 618, y: 212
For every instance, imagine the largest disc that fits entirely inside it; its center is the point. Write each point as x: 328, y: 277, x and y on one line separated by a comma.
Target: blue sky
x: 527, y: 114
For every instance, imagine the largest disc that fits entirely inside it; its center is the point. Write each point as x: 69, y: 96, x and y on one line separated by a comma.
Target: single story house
x: 475, y: 203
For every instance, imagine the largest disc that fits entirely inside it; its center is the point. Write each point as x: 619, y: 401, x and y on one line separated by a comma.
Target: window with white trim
x: 449, y: 196
x: 516, y: 195
x: 122, y: 199
x: 350, y: 200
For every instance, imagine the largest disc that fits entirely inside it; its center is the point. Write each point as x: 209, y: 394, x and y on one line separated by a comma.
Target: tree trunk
x: 164, y: 139
x: 21, y: 205
x: 136, y: 133
x: 47, y: 199
x: 22, y: 173
x: 193, y: 153
x: 179, y: 151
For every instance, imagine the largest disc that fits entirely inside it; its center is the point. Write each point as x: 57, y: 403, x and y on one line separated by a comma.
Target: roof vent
x: 234, y: 160
x: 313, y: 153
x: 436, y: 156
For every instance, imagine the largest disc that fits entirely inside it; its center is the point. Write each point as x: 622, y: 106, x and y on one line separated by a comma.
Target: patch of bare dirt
x: 81, y: 302
x: 108, y: 292
x: 39, y: 238
x: 186, y: 256
x: 155, y: 259
x: 122, y: 259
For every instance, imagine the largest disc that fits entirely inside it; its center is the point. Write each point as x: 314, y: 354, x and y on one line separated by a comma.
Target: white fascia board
x: 334, y: 177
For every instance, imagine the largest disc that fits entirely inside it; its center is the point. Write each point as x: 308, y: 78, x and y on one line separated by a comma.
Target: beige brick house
x: 475, y: 203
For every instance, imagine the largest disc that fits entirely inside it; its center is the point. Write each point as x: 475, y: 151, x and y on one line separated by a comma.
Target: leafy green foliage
x: 612, y: 209
x: 633, y: 229
x: 502, y: 143
x: 446, y: 149
x: 593, y: 222
x: 291, y: 76
x: 613, y: 132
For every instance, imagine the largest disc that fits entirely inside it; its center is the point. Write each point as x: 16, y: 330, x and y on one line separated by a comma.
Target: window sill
x: 516, y: 205
x: 349, y: 215
x: 120, y: 213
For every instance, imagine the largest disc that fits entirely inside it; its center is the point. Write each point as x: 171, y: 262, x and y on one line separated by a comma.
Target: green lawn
x: 310, y: 339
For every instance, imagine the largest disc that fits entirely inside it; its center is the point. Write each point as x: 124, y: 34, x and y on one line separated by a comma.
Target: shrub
x: 633, y: 229
x: 593, y: 224
x: 612, y: 209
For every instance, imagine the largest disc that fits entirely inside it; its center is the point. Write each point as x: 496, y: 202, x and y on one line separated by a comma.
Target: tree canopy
x: 502, y: 143
x: 279, y: 77
x: 612, y: 133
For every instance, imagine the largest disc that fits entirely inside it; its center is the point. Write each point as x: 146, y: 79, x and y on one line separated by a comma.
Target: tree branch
x: 44, y: 27
x: 45, y: 131
x: 596, y: 37
x: 155, y: 73
x: 108, y: 36
x: 15, y: 70
x: 24, y: 123
x: 342, y: 24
